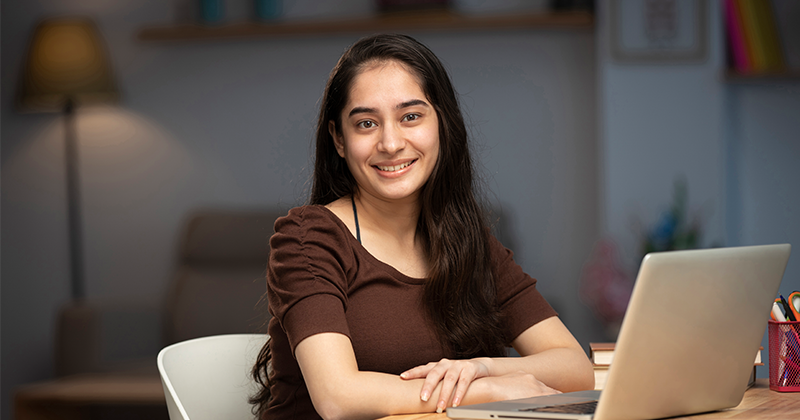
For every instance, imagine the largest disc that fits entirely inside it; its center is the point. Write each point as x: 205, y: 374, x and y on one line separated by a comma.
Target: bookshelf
x: 735, y: 77
x: 438, y: 21
x: 760, y: 43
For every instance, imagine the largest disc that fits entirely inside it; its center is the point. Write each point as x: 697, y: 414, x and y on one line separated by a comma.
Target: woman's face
x: 390, y: 133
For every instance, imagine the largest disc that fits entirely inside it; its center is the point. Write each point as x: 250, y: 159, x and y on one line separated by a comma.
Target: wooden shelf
x: 733, y: 76
x: 390, y: 22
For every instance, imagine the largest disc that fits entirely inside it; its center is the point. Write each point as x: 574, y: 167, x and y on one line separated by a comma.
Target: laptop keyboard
x: 587, y: 407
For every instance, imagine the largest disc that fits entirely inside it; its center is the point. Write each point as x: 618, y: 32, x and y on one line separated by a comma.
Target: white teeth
x: 395, y: 167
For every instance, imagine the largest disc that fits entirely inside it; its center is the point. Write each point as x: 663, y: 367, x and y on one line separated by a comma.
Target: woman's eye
x: 411, y: 117
x: 366, y: 124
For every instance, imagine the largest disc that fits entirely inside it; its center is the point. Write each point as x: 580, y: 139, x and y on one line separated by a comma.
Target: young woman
x: 388, y: 292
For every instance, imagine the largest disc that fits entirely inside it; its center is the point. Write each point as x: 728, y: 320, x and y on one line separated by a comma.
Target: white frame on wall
x: 632, y: 31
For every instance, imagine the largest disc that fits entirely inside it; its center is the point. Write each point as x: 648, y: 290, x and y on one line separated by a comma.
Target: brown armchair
x: 106, y: 351
x: 217, y: 288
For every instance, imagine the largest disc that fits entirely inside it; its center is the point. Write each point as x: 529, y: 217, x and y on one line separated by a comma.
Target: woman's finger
x: 418, y: 372
x: 435, y: 375
x: 461, y: 388
x: 457, y: 381
x: 449, y: 381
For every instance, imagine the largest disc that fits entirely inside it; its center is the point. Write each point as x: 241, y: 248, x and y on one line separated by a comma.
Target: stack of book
x: 601, y: 355
x: 754, y: 37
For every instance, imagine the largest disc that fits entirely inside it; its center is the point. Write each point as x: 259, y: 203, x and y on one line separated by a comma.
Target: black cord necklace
x: 355, y: 216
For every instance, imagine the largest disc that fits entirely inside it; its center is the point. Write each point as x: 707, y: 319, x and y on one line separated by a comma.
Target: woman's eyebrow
x: 361, y: 110
x: 413, y: 102
x: 406, y: 104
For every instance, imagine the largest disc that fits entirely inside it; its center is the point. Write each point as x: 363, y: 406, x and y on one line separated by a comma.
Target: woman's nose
x: 392, y: 140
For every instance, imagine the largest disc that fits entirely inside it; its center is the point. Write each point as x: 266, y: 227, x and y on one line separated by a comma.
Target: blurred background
x: 600, y: 131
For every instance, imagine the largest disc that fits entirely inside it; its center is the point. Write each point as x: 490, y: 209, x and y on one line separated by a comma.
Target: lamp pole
x: 67, y: 66
x: 73, y: 201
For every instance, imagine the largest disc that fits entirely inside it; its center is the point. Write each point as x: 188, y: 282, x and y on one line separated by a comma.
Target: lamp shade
x: 66, y: 63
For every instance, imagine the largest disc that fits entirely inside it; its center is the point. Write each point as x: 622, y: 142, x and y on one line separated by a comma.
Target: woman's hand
x: 455, y: 376
x: 517, y: 385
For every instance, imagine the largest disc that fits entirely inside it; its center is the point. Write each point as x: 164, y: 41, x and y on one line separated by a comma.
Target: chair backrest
x: 209, y: 377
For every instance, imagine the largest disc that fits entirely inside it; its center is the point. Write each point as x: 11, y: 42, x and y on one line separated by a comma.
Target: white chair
x: 209, y: 377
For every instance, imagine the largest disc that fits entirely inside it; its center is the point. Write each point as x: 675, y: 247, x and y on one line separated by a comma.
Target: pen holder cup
x: 784, y: 356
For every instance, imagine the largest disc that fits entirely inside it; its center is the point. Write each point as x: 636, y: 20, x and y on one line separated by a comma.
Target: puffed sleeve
x: 521, y: 304
x: 307, y: 273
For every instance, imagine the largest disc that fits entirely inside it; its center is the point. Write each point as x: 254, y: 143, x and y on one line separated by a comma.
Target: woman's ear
x: 338, y: 139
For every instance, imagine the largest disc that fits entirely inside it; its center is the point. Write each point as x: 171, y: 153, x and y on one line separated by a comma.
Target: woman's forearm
x: 370, y: 395
x: 552, y: 360
x: 565, y: 369
x: 365, y: 395
x: 339, y: 390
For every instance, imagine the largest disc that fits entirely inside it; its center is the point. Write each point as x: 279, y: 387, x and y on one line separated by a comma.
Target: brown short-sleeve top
x: 320, y: 279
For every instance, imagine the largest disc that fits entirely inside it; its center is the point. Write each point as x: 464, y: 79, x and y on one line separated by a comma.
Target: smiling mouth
x: 395, y: 167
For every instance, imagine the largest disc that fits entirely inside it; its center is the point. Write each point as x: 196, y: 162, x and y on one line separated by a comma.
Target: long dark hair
x: 460, y: 291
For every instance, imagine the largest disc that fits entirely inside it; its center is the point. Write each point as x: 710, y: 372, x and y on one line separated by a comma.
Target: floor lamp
x: 67, y: 66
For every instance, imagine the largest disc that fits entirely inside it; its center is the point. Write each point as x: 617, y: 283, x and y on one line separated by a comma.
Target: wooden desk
x: 83, y: 396
x: 92, y: 396
x: 759, y: 403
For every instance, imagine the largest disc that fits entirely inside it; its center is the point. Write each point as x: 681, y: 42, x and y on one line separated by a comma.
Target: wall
x: 661, y: 123
x: 764, y: 155
x: 228, y: 124
x: 734, y: 143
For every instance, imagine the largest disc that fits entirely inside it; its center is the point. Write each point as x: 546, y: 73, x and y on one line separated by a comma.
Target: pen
x: 777, y: 314
x: 788, y: 365
x: 787, y: 310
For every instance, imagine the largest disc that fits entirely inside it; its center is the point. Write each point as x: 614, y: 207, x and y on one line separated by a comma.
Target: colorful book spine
x: 753, y: 37
x: 773, y: 50
x: 753, y: 34
x: 736, y: 39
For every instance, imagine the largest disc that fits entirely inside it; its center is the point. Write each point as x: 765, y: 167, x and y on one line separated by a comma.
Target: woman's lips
x: 394, y: 170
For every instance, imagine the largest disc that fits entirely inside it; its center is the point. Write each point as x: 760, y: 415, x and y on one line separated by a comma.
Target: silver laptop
x: 687, y: 343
